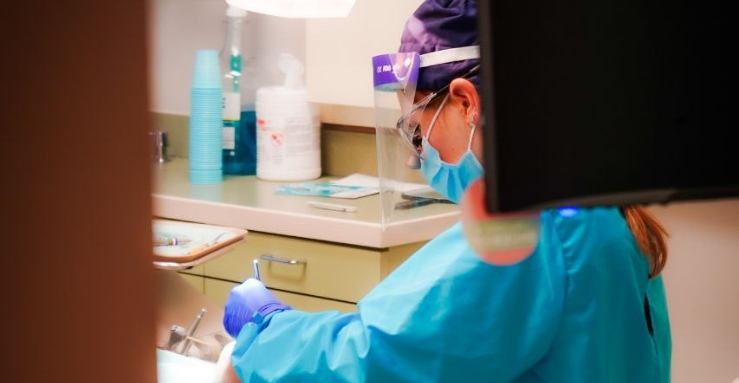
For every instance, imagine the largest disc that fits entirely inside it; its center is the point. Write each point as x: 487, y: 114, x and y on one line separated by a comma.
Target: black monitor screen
x: 612, y: 102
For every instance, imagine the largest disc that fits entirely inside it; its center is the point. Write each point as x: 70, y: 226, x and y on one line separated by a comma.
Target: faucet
x: 178, y: 335
x: 160, y: 144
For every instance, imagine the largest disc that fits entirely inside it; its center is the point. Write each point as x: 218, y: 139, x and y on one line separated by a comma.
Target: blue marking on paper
x: 326, y: 189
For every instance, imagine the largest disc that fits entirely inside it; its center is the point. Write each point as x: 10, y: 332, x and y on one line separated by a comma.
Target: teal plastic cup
x: 205, y: 177
x: 207, y: 70
x: 206, y: 119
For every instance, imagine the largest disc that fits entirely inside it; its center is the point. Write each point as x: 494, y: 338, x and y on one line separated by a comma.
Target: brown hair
x: 650, y: 236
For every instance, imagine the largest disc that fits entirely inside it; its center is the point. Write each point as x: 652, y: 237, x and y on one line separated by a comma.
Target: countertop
x: 250, y: 203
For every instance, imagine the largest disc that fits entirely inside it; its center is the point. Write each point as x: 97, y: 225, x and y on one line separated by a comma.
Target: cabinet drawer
x: 195, y: 270
x: 298, y: 265
x: 313, y: 304
x: 195, y: 281
x: 217, y: 292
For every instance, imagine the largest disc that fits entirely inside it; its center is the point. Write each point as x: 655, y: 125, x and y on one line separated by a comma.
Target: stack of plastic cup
x: 206, y: 120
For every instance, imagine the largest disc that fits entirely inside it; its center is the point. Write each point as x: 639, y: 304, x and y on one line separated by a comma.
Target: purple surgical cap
x: 437, y: 25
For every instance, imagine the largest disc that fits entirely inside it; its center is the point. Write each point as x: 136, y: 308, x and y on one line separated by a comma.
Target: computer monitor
x: 607, y: 102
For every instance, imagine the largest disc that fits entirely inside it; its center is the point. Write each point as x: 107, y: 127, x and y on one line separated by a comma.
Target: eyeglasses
x: 409, y: 124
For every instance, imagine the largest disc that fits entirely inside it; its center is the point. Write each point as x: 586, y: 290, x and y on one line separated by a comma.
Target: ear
x: 463, y: 95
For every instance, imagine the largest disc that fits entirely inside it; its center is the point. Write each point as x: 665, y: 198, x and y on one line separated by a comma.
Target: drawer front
x: 217, y: 292
x: 195, y: 270
x: 195, y: 281
x: 303, y: 266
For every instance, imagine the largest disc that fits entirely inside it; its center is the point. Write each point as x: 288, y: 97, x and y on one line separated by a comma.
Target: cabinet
x: 313, y: 259
x: 313, y: 275
x: 195, y: 281
x: 217, y: 292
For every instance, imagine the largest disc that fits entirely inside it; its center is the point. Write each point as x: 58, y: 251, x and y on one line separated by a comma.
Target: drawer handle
x: 272, y: 258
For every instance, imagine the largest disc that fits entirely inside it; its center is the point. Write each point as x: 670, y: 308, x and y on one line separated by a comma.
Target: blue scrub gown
x: 579, y: 309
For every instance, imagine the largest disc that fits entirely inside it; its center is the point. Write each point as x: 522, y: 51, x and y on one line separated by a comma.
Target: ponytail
x: 649, y: 235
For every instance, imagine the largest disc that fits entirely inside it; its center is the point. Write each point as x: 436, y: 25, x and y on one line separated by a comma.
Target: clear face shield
x: 399, y: 113
x: 395, y: 77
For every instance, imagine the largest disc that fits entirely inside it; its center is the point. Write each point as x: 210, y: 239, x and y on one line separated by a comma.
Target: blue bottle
x: 239, y: 127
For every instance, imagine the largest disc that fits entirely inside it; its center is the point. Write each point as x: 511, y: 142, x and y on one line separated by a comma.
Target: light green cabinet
x: 217, y: 292
x: 195, y: 281
x: 312, y: 269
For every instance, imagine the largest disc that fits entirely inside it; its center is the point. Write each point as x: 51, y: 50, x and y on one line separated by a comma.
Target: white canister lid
x: 281, y: 95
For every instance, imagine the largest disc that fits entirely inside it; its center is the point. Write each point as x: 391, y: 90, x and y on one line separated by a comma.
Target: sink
x: 176, y: 368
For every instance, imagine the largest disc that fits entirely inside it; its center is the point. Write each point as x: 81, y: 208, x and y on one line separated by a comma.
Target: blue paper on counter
x: 326, y: 189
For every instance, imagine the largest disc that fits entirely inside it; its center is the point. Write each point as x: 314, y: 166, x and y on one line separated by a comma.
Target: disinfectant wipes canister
x: 288, y: 128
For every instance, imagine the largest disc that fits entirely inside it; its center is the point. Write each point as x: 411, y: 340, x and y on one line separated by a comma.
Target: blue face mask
x: 451, y: 180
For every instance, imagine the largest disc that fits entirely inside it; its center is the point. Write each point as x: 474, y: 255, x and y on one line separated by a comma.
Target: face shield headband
x: 398, y: 73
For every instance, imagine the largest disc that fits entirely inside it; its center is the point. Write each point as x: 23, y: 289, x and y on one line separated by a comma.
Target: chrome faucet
x: 178, y: 335
x: 160, y: 145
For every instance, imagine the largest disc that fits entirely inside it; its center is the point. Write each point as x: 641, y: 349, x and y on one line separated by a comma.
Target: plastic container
x: 239, y: 152
x: 288, y: 128
x: 206, y: 72
x: 206, y: 120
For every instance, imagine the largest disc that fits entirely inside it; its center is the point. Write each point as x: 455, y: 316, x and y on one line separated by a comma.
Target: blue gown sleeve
x: 444, y: 315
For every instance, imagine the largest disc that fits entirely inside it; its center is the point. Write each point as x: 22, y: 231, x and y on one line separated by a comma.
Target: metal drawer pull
x: 255, y: 270
x: 272, y: 258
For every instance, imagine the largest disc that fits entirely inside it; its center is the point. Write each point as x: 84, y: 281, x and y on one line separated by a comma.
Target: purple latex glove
x: 249, y: 302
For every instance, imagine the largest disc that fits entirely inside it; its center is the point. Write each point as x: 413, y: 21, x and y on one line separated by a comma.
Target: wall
x: 337, y: 52
x: 702, y: 281
x: 373, y: 27
x: 180, y: 27
x: 344, y: 150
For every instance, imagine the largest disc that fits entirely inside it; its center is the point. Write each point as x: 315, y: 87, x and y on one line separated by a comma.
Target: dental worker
x: 588, y: 305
